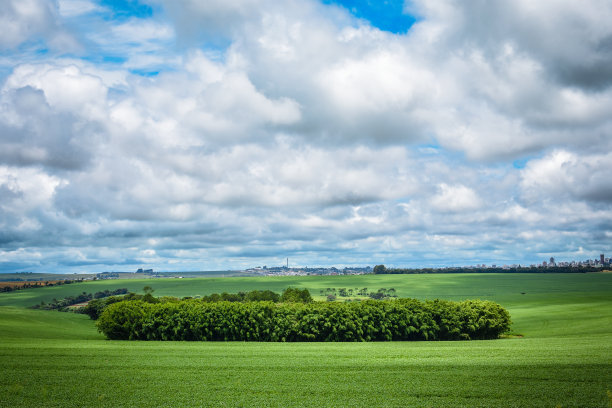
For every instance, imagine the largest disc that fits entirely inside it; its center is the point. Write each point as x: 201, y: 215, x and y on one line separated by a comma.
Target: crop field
x: 560, y: 353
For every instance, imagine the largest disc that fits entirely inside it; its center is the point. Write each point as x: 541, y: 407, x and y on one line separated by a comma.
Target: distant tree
x: 377, y: 295
x: 296, y: 295
x: 232, y: 297
x: 94, y: 308
x: 379, y: 269
x: 148, y: 297
x: 214, y: 297
x: 331, y: 298
x: 261, y: 295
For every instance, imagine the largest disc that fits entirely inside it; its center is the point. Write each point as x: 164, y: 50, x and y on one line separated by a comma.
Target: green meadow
x: 560, y: 353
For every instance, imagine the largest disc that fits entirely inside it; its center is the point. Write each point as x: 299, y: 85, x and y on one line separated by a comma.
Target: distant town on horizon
x: 550, y: 265
x: 286, y: 270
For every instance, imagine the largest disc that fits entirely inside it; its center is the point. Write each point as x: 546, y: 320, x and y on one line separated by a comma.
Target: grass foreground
x: 564, y: 359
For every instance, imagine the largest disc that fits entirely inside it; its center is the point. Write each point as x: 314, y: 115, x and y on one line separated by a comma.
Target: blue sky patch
x: 386, y: 15
x: 144, y: 72
x: 521, y: 163
x: 128, y: 8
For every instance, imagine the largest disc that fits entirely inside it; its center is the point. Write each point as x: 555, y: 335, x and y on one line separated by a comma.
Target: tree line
x: 64, y: 303
x: 288, y: 295
x: 332, y: 293
x: 381, y: 269
x: 370, y: 320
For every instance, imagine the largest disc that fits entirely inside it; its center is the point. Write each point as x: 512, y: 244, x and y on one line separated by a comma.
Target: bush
x: 296, y: 295
x: 402, y: 319
x: 96, y: 306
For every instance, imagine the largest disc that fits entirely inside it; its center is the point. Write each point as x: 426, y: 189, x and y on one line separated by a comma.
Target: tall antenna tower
x: 287, y: 263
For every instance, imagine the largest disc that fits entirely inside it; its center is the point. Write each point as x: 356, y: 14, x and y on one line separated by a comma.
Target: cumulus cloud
x: 26, y: 193
x: 562, y: 174
x: 456, y: 198
x: 207, y: 104
x: 33, y: 134
x: 66, y: 88
x: 571, y: 40
x: 219, y: 21
x: 478, y: 84
x: 33, y: 20
x: 520, y: 75
x: 53, y: 114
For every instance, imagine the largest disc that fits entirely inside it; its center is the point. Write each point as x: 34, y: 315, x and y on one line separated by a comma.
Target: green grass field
x: 564, y: 358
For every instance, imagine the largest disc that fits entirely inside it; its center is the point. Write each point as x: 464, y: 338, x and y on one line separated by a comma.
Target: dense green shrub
x: 296, y: 295
x: 95, y: 307
x: 402, y: 319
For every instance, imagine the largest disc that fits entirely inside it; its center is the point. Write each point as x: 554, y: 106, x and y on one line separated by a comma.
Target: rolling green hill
x: 564, y: 359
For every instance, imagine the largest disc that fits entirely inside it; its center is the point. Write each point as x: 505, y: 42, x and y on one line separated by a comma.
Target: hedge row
x: 402, y: 319
x: 62, y: 304
x: 381, y: 269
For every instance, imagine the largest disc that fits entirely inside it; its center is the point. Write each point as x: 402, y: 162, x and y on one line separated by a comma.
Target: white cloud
x: 141, y: 43
x: 22, y: 19
x: 455, y: 198
x: 563, y: 174
x: 523, y: 74
x: 210, y: 104
x: 66, y: 88
x: 31, y: 188
x: 33, y: 20
x: 383, y: 83
x: 75, y: 8
x: 140, y: 31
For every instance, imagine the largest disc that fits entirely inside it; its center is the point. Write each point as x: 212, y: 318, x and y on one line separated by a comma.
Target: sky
x: 187, y: 135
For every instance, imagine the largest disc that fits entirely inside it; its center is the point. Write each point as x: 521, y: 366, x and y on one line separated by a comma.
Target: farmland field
x: 563, y: 359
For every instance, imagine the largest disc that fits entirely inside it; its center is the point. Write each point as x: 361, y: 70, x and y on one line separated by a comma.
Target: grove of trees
x: 370, y: 320
x: 96, y: 306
